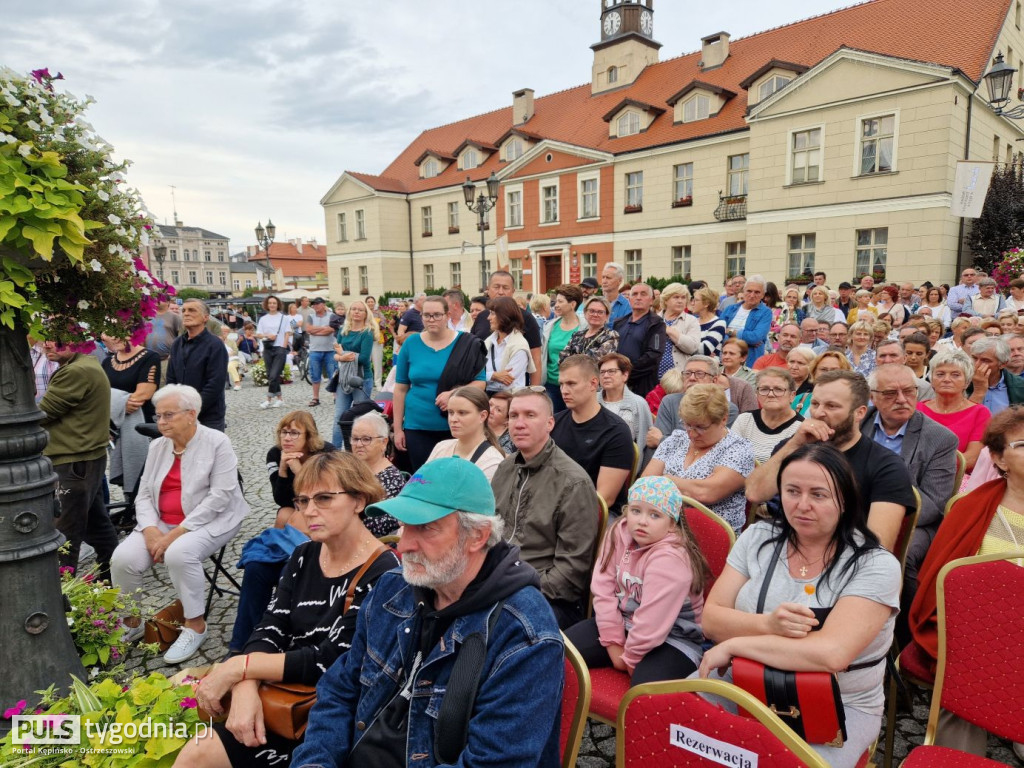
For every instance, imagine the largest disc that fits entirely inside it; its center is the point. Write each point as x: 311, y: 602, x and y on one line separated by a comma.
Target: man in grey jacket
x: 549, y: 506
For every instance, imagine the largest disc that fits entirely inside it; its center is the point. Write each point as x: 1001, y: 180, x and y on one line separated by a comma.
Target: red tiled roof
x: 944, y: 32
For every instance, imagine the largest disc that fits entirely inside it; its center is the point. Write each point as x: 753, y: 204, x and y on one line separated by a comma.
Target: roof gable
x: 551, y: 158
x: 699, y: 85
x: 796, y: 69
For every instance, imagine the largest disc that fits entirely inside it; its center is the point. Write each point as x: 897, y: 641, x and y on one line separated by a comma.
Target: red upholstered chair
x: 669, y: 724
x: 981, y: 654
x: 715, y: 538
x: 575, y: 703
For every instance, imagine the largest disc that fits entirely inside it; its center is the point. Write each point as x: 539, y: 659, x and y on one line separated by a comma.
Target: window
x: 427, y: 218
x: 736, y: 258
x: 430, y: 168
x: 192, y: 279
x: 360, y: 225
x: 876, y: 144
x: 184, y: 253
x: 346, y: 287
x: 770, y: 86
x: 682, y: 177
x: 469, y: 159
x: 428, y: 277
x: 455, y: 272
x: 549, y: 204
x: 588, y: 199
x: 680, y: 260
x: 248, y: 283
x: 220, y: 255
x: 208, y: 256
x: 514, y: 209
x: 175, y: 276
x: 872, y: 250
x: 697, y: 108
x: 223, y: 279
x: 453, y: 218
x: 209, y: 278
x: 364, y: 279
x: 342, y: 228
x: 634, y: 191
x: 628, y: 124
x: 739, y: 174
x: 633, y: 265
x: 236, y: 285
x: 801, y: 255
x: 613, y: 75
x: 806, y: 156
x: 174, y: 254
x: 195, y: 255
x: 514, y: 150
x: 589, y: 265
x: 515, y: 266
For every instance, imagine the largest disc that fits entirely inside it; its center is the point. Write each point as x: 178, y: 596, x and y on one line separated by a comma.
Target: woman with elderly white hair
x: 683, y: 330
x: 189, y: 505
x: 952, y: 371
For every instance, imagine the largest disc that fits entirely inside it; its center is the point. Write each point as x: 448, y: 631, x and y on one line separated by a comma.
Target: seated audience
x: 369, y: 443
x: 699, y: 370
x: 775, y: 421
x: 860, y: 353
x: 703, y: 458
x: 682, y: 329
x: 597, y: 339
x: 556, y: 337
x: 712, y: 327
x: 916, y: 351
x: 472, y: 439
x: 952, y: 371
x: 789, y: 338
x: 992, y: 385
x: 648, y: 591
x: 616, y: 397
x: 798, y: 363
x: 508, y: 354
x: 890, y: 352
x: 670, y: 383
x: 497, y: 420
x: 642, y: 338
x: 734, y: 353
x: 760, y: 608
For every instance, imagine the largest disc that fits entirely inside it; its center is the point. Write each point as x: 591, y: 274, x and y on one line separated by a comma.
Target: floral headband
x: 660, y: 492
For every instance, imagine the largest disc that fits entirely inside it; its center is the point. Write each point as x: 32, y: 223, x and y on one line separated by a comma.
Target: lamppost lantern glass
x: 493, y: 185
x: 260, y: 232
x: 1000, y: 81
x: 469, y: 191
x: 271, y: 229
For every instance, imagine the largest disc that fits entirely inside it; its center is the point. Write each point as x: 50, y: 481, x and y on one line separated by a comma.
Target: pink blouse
x: 968, y: 425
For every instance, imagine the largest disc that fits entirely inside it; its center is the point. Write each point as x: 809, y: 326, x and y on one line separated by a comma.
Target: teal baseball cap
x: 439, y: 488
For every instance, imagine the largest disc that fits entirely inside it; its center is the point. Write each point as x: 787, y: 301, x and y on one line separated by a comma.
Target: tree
x: 1001, y: 224
x: 193, y: 293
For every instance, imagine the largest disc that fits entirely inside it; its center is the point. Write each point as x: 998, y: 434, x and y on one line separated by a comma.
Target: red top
x: 170, y: 495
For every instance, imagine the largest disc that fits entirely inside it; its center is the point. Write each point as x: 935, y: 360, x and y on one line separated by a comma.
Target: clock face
x: 612, y: 22
x: 646, y: 22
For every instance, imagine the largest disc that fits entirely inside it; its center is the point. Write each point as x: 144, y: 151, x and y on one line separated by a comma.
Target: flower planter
x: 683, y: 202
x: 453, y: 230
x: 633, y: 209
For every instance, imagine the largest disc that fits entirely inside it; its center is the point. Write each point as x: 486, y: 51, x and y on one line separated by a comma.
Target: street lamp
x: 160, y: 253
x: 999, y: 80
x: 480, y: 206
x: 265, y: 239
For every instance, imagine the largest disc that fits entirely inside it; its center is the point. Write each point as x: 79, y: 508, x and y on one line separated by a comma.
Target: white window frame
x: 222, y: 279
x: 634, y: 184
x: 209, y: 276
x: 453, y: 215
x: 342, y: 228
x: 581, y: 195
x: 859, y: 142
x: 741, y: 173
x: 683, y: 256
x: 541, y: 187
x: 803, y: 251
x: 236, y: 285
x: 701, y: 103
x: 588, y: 265
x: 628, y: 124
x: 346, y: 284
x: 430, y: 168
x: 513, y: 149
x: 470, y: 159
x: 515, y: 268
x: 455, y: 273
x: 174, y: 254
x: 774, y: 84
x: 193, y: 277
x: 426, y: 220
x: 633, y: 261
x: 793, y: 151
x: 679, y: 177
x: 364, y: 279
x: 613, y: 75
x: 736, y: 251
x: 428, y: 277
x: 870, y: 249
x: 517, y: 191
x: 248, y: 283
x: 360, y: 224
x: 176, y: 277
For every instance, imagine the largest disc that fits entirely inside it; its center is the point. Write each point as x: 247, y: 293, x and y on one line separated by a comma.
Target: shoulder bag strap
x: 768, y: 577
x: 480, y: 449
x: 350, y: 593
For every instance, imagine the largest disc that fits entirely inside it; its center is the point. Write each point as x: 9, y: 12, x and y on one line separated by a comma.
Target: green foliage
x: 259, y: 373
x: 1000, y: 227
x: 659, y: 283
x: 193, y: 293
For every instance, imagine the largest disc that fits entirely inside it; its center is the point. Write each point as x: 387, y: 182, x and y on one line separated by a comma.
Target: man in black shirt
x: 501, y: 284
x: 200, y: 359
x: 838, y: 406
x: 594, y: 437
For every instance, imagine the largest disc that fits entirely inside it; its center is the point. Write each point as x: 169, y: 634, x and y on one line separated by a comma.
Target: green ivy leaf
x: 41, y: 239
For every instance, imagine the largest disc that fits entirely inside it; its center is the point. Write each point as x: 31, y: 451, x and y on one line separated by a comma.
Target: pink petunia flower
x: 189, y: 703
x: 17, y: 709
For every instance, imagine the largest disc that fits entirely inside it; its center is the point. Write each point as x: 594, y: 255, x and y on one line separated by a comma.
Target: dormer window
x: 470, y: 159
x: 697, y: 108
x: 514, y: 150
x: 430, y: 168
x: 628, y: 124
x: 771, y: 85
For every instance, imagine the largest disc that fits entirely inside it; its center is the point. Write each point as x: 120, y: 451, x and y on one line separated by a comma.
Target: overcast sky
x: 253, y: 109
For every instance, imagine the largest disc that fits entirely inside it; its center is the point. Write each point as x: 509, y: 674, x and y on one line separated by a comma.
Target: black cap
x: 845, y: 285
x: 317, y: 300
x: 589, y: 282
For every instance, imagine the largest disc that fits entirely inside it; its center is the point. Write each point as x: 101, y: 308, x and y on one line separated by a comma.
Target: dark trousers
x: 258, y: 583
x: 420, y: 442
x: 661, y: 663
x: 275, y: 358
x: 555, y: 393
x: 567, y: 613
x: 83, y: 515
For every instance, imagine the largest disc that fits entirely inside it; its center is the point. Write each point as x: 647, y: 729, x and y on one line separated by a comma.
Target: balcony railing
x: 731, y: 207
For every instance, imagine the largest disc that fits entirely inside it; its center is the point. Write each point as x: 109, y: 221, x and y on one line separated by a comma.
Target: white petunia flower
x: 102, y: 195
x: 71, y: 622
x: 96, y: 265
x: 114, y: 219
x: 33, y: 125
x: 24, y: 150
x: 83, y: 304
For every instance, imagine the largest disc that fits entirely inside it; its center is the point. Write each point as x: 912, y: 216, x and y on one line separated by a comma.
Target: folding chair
x: 602, y: 526
x: 575, y: 703
x: 217, y: 560
x: 669, y: 724
x: 637, y: 456
x: 981, y: 654
x: 961, y: 469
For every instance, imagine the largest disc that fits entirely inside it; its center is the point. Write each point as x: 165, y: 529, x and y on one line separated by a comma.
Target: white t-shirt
x: 279, y: 325
x: 740, y: 321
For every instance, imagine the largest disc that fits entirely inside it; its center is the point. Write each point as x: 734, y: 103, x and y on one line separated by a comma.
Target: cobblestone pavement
x: 252, y: 433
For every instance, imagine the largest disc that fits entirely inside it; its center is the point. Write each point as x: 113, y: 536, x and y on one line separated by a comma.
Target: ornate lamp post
x: 480, y: 206
x: 160, y: 253
x: 265, y: 239
x: 999, y: 80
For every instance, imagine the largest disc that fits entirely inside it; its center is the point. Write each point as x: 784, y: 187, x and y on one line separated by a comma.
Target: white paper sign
x: 711, y: 749
x: 970, y: 188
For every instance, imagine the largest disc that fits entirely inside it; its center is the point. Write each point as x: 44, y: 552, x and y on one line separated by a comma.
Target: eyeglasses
x: 891, y: 394
x: 365, y: 440
x: 695, y: 430
x: 166, y: 416
x: 433, y: 315
x: 1016, y: 444
x: 598, y: 311
x: 771, y: 391
x: 609, y: 371
x: 699, y: 375
x: 290, y: 433
x: 322, y: 500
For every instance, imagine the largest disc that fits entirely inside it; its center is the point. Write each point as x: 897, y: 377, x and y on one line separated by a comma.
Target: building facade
x: 827, y: 144
x: 195, y: 258
x: 294, y: 264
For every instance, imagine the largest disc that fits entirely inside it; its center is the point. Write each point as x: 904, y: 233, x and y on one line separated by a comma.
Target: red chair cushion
x: 570, y: 694
x: 608, y: 686
x: 917, y: 664
x: 937, y: 757
x: 713, y: 542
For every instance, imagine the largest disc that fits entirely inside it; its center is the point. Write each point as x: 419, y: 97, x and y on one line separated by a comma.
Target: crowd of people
x: 544, y: 454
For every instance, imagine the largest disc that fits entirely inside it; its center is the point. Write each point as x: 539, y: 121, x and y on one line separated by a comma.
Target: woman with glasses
x: 556, y: 337
x: 430, y: 367
x: 597, y: 339
x: 472, y: 438
x: 311, y: 620
x: 775, y: 421
x: 798, y: 363
x: 704, y: 459
x: 189, y: 505
x: 508, y: 353
x: 369, y: 444
x: 952, y: 371
x: 616, y: 397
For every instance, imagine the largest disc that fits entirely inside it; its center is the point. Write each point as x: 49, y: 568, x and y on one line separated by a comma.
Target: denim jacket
x: 516, y: 717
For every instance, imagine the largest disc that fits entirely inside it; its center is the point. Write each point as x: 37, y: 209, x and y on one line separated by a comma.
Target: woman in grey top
x: 616, y: 397
x: 819, y: 558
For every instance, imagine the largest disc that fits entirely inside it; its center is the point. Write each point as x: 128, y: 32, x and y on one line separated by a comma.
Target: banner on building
x: 501, y: 244
x: 970, y: 188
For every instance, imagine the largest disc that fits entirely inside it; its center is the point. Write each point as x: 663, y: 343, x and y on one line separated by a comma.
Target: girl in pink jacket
x: 648, y: 591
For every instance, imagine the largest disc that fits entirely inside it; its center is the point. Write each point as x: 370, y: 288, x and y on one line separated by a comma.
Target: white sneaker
x: 185, y: 646
x: 134, y: 634
x: 277, y: 403
x: 265, y: 404
x: 237, y: 387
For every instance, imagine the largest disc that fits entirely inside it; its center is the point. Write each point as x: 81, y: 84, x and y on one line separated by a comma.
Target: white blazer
x: 210, y: 495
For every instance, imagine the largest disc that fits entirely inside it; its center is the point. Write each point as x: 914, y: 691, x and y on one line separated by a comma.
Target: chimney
x: 178, y: 223
x: 714, y: 50
x: 298, y: 245
x: 522, y: 106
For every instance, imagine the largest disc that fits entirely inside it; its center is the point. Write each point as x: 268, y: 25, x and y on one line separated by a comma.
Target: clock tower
x: 627, y: 43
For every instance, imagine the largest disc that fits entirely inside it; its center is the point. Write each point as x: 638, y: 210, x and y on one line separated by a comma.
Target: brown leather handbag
x: 286, y: 705
x: 165, y: 626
